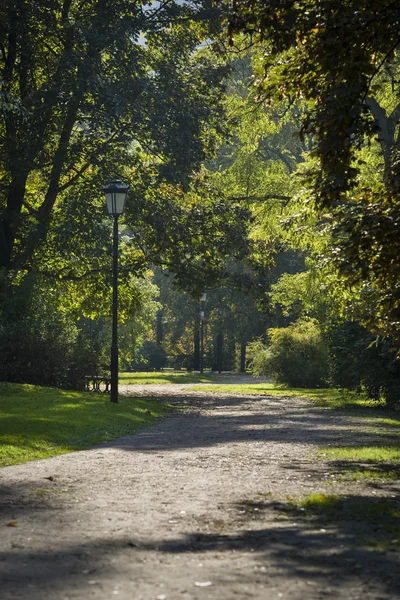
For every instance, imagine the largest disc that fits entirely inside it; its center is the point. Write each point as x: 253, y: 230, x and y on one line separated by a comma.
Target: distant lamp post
x: 202, y: 319
x: 115, y: 193
x: 220, y: 339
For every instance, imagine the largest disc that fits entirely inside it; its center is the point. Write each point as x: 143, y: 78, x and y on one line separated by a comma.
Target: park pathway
x: 192, y: 508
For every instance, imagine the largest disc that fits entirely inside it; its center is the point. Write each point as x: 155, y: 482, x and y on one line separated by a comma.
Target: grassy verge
x: 166, y: 377
x: 376, y: 462
x: 41, y: 422
x: 376, y: 519
x: 389, y: 453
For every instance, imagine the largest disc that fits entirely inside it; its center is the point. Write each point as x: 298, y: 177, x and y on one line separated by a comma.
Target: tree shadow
x: 224, y: 424
x: 352, y: 539
x: 325, y: 548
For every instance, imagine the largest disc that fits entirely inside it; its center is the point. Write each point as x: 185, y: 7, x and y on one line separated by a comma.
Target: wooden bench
x: 98, y: 383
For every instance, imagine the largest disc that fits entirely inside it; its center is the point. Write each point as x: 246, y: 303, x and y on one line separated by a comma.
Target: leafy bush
x: 48, y: 338
x: 50, y: 355
x: 151, y: 357
x: 257, y: 355
x: 296, y: 355
x: 360, y: 360
x: 41, y: 345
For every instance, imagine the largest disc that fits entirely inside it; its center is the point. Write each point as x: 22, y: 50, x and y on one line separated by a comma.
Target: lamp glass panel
x: 120, y: 202
x: 115, y: 202
x: 109, y: 198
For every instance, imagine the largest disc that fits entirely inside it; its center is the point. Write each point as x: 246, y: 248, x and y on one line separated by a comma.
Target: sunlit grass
x: 383, y: 461
x: 318, y: 503
x: 389, y: 453
x: 38, y: 422
x: 166, y: 377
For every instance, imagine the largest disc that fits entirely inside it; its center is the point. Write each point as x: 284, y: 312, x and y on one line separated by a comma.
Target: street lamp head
x: 203, y: 297
x: 115, y: 193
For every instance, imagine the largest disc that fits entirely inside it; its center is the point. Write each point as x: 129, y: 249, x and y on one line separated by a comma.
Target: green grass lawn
x: 390, y: 453
x: 38, y: 422
x: 377, y: 462
x: 167, y: 377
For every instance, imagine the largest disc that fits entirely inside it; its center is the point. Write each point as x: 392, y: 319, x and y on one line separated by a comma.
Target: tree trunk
x: 220, y: 342
x: 243, y: 347
x: 9, y: 222
x: 196, y: 347
x: 159, y: 328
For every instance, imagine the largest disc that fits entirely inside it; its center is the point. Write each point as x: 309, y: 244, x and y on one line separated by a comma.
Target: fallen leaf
x: 203, y: 583
x: 12, y: 524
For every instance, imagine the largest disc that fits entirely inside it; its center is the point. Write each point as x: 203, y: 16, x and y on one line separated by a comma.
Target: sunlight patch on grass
x: 40, y: 422
x: 166, y: 377
x: 389, y: 453
x: 317, y: 503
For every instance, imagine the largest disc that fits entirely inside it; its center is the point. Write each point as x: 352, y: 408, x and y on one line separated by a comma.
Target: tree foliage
x: 295, y: 355
x: 341, y: 59
x: 90, y: 90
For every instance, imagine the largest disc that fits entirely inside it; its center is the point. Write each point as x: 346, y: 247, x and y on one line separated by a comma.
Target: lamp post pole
x: 114, y: 342
x: 202, y: 319
x: 219, y: 341
x: 202, y: 345
x: 115, y: 195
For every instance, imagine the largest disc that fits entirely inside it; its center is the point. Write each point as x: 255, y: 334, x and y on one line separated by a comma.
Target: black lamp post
x: 202, y: 319
x: 219, y: 341
x: 115, y: 195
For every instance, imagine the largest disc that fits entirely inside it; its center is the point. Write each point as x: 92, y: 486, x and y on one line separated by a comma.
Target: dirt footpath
x: 192, y: 508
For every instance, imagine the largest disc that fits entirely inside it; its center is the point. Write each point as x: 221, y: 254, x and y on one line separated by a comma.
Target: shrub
x: 257, y: 355
x: 360, y: 360
x: 151, y: 357
x: 296, y: 355
x: 41, y: 345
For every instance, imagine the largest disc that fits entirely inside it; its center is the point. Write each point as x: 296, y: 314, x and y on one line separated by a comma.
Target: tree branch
x: 89, y: 163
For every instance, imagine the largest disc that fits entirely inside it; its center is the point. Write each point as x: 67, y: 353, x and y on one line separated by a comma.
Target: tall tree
x: 88, y: 89
x: 342, y: 59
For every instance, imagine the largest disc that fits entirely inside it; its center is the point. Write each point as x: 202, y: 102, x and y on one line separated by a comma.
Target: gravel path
x: 191, y: 509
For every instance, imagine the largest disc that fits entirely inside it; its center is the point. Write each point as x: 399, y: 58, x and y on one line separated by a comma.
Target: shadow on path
x: 276, y: 420
x: 324, y: 552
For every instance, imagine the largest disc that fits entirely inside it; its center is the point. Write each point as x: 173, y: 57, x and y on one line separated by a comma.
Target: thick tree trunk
x: 9, y: 221
x: 386, y: 135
